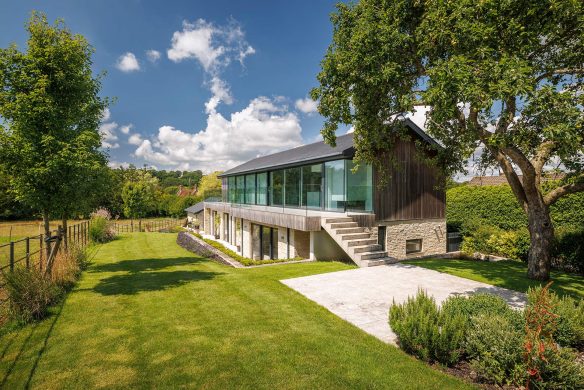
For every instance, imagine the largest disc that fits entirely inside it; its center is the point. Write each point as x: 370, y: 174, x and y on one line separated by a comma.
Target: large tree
x: 504, y: 76
x: 51, y: 109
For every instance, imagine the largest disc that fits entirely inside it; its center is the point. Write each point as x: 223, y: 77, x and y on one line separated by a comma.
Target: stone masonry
x: 431, y: 231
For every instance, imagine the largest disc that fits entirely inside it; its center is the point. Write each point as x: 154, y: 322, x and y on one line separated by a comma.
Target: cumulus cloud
x: 307, y: 105
x: 153, y: 55
x: 128, y: 63
x: 108, y: 135
x: 264, y: 126
x: 135, y: 139
x: 126, y: 128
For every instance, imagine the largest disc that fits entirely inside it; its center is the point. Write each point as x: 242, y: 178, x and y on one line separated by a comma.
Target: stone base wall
x: 432, y: 232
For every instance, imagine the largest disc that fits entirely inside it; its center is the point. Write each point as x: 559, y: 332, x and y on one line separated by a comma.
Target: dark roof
x: 502, y: 179
x: 315, y: 152
x: 196, y: 208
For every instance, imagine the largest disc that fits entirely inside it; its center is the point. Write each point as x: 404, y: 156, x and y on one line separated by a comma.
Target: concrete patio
x: 362, y: 296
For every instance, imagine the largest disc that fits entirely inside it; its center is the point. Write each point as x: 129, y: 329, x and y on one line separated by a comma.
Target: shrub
x: 424, y: 331
x: 568, y: 251
x: 494, y: 346
x: 100, y: 229
x: 492, y: 240
x: 481, y: 304
x: 29, y: 294
x: 68, y: 266
x: 561, y: 371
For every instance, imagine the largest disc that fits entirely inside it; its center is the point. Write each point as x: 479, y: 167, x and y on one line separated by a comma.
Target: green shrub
x: 494, y: 346
x: 495, y: 241
x: 29, y: 294
x: 100, y: 228
x: 424, y: 331
x: 481, y: 304
x: 568, y: 251
x: 560, y: 371
x: 569, y: 324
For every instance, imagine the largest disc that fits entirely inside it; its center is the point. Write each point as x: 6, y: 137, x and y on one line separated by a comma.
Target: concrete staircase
x: 361, y: 247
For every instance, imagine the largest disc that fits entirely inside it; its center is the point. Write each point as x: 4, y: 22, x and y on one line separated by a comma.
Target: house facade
x: 311, y: 202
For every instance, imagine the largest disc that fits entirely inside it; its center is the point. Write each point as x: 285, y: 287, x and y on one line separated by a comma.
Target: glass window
x: 262, y: 188
x: 250, y: 189
x: 359, y: 187
x: 311, y: 186
x: 240, y: 185
x: 292, y: 187
x: 335, y: 185
x: 276, y: 188
x: 232, y: 190
x: 413, y: 246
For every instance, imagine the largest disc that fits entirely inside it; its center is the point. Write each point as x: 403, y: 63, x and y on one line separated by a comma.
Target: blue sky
x: 230, y: 83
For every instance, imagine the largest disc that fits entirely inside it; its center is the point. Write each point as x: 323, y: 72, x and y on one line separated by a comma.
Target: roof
x: 502, y: 179
x: 196, y: 208
x: 311, y: 153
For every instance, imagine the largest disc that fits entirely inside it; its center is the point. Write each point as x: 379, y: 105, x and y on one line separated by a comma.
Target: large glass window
x: 276, y: 188
x: 262, y: 188
x: 250, y: 189
x: 240, y: 185
x: 359, y: 187
x: 311, y: 186
x: 232, y: 189
x: 335, y: 185
x: 292, y: 187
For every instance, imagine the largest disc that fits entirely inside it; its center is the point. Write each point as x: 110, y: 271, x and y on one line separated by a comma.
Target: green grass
x: 508, y: 274
x: 149, y: 314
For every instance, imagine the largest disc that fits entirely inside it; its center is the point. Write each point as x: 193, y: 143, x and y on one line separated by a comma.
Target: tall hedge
x: 497, y: 206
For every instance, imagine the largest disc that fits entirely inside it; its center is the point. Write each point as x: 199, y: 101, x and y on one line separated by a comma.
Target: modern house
x: 307, y: 202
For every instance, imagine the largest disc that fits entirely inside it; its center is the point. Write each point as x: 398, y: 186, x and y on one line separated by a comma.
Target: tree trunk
x: 541, y: 233
x: 65, y: 237
x: 47, y: 225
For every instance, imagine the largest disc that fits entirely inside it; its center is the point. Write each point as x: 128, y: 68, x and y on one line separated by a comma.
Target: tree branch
x: 553, y: 196
x: 556, y: 72
x: 542, y: 155
x: 507, y: 115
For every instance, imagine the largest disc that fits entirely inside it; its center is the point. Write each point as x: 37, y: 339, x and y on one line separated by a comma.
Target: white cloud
x: 128, y: 63
x: 126, y: 128
x: 135, y: 139
x: 153, y: 55
x: 108, y: 135
x: 307, y: 106
x: 116, y: 164
x: 105, y: 114
x: 263, y: 127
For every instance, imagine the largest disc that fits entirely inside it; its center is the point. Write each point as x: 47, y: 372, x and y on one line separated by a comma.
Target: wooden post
x: 41, y: 252
x: 11, y: 256
x: 27, y: 253
x: 132, y: 225
x: 140, y: 225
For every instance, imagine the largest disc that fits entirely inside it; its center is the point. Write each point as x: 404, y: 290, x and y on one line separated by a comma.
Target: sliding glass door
x: 335, y: 185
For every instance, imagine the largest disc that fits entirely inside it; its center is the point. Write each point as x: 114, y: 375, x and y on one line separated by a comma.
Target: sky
x: 197, y: 84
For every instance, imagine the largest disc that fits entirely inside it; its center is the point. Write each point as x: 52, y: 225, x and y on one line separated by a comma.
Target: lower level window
x: 413, y: 246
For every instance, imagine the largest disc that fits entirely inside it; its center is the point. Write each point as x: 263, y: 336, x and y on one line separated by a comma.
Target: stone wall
x: 431, y: 231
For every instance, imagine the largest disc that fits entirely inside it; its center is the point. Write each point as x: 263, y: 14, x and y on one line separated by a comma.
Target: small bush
x: 481, y: 304
x: 29, y: 293
x: 494, y: 241
x: 560, y: 371
x: 494, y: 346
x: 68, y: 266
x: 568, y: 251
x: 424, y: 331
x: 100, y: 228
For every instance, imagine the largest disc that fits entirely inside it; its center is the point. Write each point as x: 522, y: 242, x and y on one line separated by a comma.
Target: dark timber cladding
x: 411, y: 191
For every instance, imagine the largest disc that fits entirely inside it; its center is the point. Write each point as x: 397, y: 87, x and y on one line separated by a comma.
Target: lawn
x: 508, y: 274
x: 148, y: 314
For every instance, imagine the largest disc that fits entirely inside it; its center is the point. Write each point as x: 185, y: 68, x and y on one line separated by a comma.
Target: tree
x: 139, y: 196
x: 504, y: 76
x: 210, y: 185
x: 51, y: 109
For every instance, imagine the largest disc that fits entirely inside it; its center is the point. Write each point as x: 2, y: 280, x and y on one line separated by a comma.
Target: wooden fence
x: 145, y: 226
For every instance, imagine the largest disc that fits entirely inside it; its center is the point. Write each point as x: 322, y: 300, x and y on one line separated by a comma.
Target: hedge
x: 497, y: 206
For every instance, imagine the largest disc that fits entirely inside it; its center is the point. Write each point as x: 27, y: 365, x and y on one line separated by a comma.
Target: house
x: 195, y: 213
x: 502, y: 179
x: 307, y: 202
x: 182, y: 191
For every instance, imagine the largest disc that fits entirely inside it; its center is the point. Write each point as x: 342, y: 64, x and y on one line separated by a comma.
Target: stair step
x: 338, y: 219
x: 339, y: 225
x: 349, y: 230
x: 372, y: 255
x: 367, y: 241
x: 366, y: 248
x: 375, y: 262
x: 355, y: 236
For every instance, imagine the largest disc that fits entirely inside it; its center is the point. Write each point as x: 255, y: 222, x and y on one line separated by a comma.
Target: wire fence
x: 155, y: 225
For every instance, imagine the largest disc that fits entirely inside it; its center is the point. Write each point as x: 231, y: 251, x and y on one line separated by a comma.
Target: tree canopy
x: 503, y: 76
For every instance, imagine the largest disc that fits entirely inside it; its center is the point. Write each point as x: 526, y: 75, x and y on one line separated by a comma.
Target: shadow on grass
x: 142, y: 265
x: 134, y: 283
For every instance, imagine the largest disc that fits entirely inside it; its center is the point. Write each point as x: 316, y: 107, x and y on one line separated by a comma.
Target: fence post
x: 140, y: 225
x: 27, y: 253
x: 40, y: 252
x: 11, y: 256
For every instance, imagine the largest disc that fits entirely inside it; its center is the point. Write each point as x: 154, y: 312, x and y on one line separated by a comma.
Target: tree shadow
x: 134, y: 283
x: 142, y: 265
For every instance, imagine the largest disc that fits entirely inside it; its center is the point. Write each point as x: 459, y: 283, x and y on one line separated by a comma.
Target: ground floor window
x: 413, y: 246
x: 266, y: 246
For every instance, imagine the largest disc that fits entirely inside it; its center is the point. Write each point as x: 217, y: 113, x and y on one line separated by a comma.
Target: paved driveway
x: 362, y: 296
